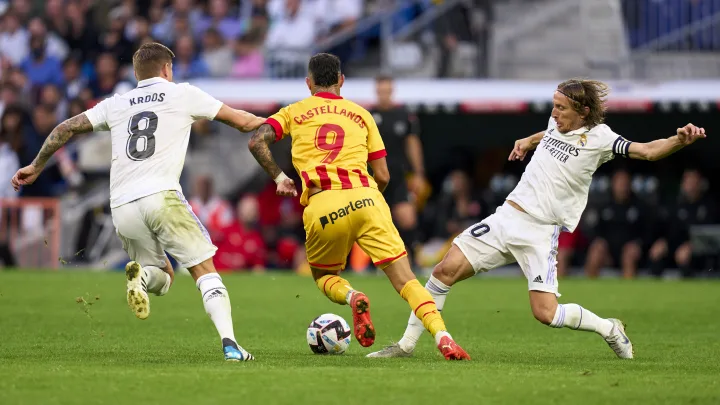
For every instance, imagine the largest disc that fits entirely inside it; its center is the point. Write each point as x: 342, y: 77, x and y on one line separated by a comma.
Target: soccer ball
x: 328, y: 333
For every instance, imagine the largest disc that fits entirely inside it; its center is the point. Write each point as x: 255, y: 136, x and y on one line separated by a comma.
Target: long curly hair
x: 587, y: 93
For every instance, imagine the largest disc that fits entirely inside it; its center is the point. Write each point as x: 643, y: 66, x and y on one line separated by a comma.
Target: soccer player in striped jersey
x: 549, y: 199
x: 333, y: 139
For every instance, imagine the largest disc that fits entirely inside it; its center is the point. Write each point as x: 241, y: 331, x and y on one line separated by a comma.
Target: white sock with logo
x: 217, y: 304
x: 439, y: 291
x: 574, y: 316
x: 157, y: 281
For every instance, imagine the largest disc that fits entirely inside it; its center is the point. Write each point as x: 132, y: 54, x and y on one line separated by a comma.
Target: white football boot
x: 618, y: 340
x: 394, y: 350
x: 137, y: 296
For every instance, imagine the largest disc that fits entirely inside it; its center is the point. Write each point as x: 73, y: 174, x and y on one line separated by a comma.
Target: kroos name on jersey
x: 160, y: 97
x: 343, y: 211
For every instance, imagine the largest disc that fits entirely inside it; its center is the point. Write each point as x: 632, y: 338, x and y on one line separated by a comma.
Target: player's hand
x: 286, y: 188
x: 417, y: 184
x: 25, y: 176
x: 522, y: 147
x: 690, y: 133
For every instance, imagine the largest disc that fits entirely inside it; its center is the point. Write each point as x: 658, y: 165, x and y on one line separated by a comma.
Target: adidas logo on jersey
x: 538, y: 279
x: 343, y: 211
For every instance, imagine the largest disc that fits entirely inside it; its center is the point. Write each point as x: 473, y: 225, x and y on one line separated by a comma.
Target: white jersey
x: 555, y: 185
x: 150, y: 130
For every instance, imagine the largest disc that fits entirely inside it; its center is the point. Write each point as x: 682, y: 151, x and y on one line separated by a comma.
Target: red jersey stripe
x: 305, y: 177
x: 377, y: 155
x: 344, y: 176
x: 363, y: 178
x: 325, y: 182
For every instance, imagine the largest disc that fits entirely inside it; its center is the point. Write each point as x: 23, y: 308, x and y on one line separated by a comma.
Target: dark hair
x: 149, y: 59
x: 324, y: 69
x: 383, y: 78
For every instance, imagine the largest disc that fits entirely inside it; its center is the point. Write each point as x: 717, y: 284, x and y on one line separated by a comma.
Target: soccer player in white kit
x: 150, y: 130
x: 549, y: 199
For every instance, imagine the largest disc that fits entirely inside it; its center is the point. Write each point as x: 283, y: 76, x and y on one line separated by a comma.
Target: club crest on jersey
x: 343, y: 211
x: 583, y: 140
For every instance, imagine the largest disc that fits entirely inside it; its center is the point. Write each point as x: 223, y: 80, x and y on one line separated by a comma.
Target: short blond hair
x: 587, y: 93
x: 149, y: 59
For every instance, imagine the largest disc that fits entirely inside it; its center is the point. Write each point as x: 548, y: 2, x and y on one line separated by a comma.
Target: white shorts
x: 510, y: 236
x: 159, y: 223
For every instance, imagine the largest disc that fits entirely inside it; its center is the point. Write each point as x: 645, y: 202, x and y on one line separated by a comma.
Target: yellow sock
x: 423, y: 305
x: 334, y: 287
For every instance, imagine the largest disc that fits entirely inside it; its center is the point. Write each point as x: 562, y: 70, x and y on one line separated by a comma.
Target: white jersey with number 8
x: 150, y: 130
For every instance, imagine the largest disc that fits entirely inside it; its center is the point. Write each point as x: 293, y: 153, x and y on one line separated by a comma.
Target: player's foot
x: 618, y: 340
x: 451, y: 350
x: 364, y: 329
x: 394, y: 350
x: 233, y: 352
x: 137, y: 296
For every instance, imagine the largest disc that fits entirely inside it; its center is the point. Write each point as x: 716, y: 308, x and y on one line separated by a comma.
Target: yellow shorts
x: 336, y: 219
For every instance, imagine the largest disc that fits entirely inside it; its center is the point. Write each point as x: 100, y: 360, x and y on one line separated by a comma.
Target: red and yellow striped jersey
x: 332, y: 141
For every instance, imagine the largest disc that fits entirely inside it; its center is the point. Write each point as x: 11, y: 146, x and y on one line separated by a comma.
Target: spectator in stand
x: 81, y: 36
x: 107, y: 79
x: 692, y: 207
x: 51, y: 97
x: 137, y: 30
x: 74, y: 80
x: 9, y: 95
x: 165, y: 30
x: 216, y: 54
x: 14, y: 40
x: 290, y: 40
x: 338, y: 15
x: 40, y: 67
x: 186, y: 64
x: 55, y: 17
x: 113, y: 40
x: 213, y: 211
x: 240, y: 246
x: 8, y: 163
x: 23, y: 9
x: 259, y: 19
x: 620, y: 231
x: 249, y: 59
x: 219, y: 18
x: 55, y: 46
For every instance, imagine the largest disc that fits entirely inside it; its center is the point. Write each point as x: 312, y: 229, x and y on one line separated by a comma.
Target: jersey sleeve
x: 376, y: 147
x: 98, y: 115
x: 613, y: 144
x: 200, y: 104
x: 280, y: 121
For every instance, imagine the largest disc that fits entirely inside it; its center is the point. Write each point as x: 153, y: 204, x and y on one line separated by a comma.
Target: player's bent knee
x: 543, y: 306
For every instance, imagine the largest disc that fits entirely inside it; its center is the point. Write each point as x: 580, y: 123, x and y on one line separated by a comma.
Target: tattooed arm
x: 78, y: 124
x: 259, y: 145
x: 238, y: 119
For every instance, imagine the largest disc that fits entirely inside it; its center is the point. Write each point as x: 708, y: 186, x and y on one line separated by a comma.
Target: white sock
x: 574, y: 316
x: 439, y: 291
x: 217, y: 304
x: 158, y: 282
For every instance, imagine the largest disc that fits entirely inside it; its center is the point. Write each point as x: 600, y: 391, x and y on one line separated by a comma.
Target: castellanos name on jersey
x: 556, y: 182
x: 150, y: 130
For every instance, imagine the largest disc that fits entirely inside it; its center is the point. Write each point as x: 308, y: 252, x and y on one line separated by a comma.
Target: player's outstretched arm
x: 78, y: 124
x: 239, y: 119
x: 259, y: 146
x: 662, y: 148
x: 525, y: 145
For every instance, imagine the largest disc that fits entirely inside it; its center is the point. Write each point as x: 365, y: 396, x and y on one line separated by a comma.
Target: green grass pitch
x: 69, y: 338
